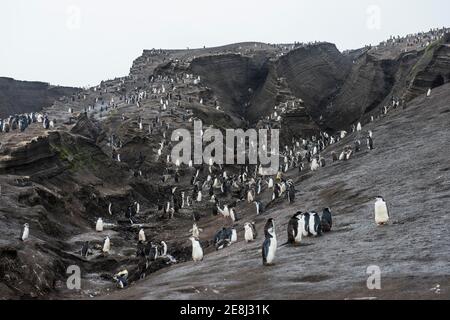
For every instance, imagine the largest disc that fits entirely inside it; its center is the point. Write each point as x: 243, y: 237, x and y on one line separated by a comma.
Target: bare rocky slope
x: 408, y: 166
x: 61, y: 180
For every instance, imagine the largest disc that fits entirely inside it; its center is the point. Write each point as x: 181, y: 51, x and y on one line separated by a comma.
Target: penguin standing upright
x: 381, y: 211
x: 99, y: 225
x: 314, y: 226
x: 259, y: 207
x: 26, y: 232
x: 314, y: 165
x: 233, y: 238
x: 164, y: 249
x: 106, y: 245
x: 250, y: 231
x: 326, y: 220
x: 369, y: 143
x: 197, y: 251
x: 269, y: 247
x: 142, y: 235
x: 291, y: 194
x: 296, y: 225
x: 85, y: 249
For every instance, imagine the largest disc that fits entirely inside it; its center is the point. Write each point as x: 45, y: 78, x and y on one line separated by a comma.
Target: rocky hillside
x: 109, y: 148
x: 24, y: 96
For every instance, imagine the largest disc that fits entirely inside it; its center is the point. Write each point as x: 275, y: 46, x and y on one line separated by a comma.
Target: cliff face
x: 315, y: 74
x: 336, y: 89
x: 23, y: 96
x: 432, y: 70
x: 232, y: 77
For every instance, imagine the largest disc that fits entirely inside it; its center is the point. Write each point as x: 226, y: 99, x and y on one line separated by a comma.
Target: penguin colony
x: 220, y: 190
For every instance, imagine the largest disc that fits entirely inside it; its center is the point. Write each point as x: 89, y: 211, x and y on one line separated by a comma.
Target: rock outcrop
x: 24, y: 96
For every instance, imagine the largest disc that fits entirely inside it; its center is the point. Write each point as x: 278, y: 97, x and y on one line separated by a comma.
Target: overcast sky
x: 81, y: 42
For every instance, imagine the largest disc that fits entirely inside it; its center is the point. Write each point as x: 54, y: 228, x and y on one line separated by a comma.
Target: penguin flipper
x: 265, y: 250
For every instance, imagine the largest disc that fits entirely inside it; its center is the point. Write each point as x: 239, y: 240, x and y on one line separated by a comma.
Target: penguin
x: 326, y: 221
x: 121, y: 282
x: 233, y: 215
x: 225, y: 212
x: 142, y: 235
x: 259, y: 207
x: 26, y: 232
x: 121, y: 278
x: 429, y: 93
x: 291, y: 194
x: 270, y: 184
x: 183, y: 200
x: 269, y: 247
x: 197, y: 251
x: 250, y: 232
x: 258, y: 187
x: 250, y: 196
x: 99, y: 225
x: 296, y: 227
x: 164, y: 249
x: 381, y: 211
x: 152, y: 251
x: 314, y: 227
x: 314, y: 165
x: 137, y: 207
x: 85, y: 249
x: 106, y: 245
x: 233, y: 238
x: 222, y: 244
x: 196, y: 231
x: 369, y: 143
x: 358, y: 127
x: 199, y: 196
x: 110, y: 209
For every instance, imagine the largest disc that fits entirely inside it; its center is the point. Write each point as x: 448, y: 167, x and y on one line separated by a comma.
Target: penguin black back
x: 326, y: 221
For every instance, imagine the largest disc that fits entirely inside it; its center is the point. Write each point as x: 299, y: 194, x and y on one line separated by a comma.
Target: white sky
x: 81, y: 42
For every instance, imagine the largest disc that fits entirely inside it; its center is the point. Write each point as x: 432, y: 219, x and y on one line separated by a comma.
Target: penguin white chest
x: 99, y: 225
x: 381, y: 212
x: 272, y: 251
x: 312, y: 225
x: 106, y: 246
x: 248, y: 235
x: 300, y: 230
x: 142, y: 236
x: 197, y: 252
x: 26, y: 233
x: 233, y: 236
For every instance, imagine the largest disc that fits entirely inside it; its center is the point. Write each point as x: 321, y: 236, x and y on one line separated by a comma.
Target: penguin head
x: 270, y: 223
x: 299, y: 213
x: 26, y: 225
x: 379, y: 198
